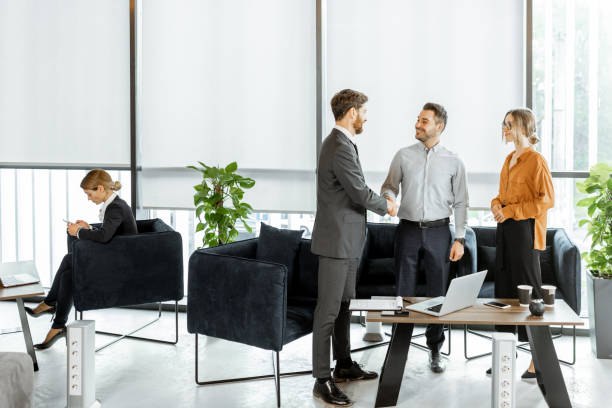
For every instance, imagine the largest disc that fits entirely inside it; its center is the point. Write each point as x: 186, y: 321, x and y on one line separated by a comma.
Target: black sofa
x: 376, y: 275
x: 559, y: 263
x: 234, y: 296
x: 129, y: 270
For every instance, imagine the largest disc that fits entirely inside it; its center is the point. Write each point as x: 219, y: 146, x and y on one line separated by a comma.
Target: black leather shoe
x: 31, y: 312
x: 46, y: 345
x: 353, y: 373
x: 329, y: 393
x: 528, y: 374
x: 436, y: 364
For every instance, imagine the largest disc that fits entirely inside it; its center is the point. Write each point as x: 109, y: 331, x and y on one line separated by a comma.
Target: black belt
x: 428, y: 224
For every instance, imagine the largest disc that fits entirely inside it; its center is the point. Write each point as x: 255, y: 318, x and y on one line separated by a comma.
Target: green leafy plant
x: 599, y: 221
x: 221, y: 186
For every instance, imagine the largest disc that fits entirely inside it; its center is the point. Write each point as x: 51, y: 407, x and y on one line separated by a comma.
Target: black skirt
x: 517, y: 263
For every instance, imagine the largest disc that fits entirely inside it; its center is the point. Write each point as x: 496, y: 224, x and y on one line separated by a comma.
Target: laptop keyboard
x: 435, y: 308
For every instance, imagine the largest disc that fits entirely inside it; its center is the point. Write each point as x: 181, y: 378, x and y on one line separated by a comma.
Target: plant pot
x: 600, y: 305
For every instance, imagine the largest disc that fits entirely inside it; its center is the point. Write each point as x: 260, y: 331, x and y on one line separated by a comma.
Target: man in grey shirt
x: 433, y: 183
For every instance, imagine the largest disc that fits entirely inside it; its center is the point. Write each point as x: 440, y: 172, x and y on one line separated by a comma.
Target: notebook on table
x: 394, y: 303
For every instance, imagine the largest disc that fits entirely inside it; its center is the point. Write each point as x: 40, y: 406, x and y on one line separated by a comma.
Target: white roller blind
x: 465, y: 55
x: 64, y: 82
x: 227, y: 81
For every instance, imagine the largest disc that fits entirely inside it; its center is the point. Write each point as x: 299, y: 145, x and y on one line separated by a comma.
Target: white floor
x: 133, y: 373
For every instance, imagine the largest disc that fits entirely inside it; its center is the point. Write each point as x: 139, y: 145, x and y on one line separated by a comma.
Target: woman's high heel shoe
x: 47, y: 344
x: 29, y: 311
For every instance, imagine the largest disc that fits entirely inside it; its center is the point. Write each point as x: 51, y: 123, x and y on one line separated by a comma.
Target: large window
x: 227, y: 81
x: 32, y: 206
x: 572, y: 94
x: 572, y: 85
x: 467, y: 56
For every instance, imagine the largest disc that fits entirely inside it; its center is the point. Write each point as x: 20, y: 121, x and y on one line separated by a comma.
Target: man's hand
x: 456, y: 252
x: 392, y: 207
x: 498, y: 215
x: 83, y: 224
x: 73, y: 229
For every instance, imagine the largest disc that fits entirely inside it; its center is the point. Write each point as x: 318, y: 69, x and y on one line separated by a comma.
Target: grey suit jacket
x: 342, y: 200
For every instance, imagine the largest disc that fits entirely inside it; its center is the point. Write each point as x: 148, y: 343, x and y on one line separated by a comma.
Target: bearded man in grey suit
x: 338, y: 237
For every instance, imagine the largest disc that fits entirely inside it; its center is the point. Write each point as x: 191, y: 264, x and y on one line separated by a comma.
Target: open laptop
x: 461, y: 293
x: 18, y: 274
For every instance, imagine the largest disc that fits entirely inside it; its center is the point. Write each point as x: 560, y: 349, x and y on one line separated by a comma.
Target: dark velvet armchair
x: 234, y: 296
x: 129, y: 270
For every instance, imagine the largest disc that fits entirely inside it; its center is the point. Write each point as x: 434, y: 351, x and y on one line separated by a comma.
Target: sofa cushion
x: 486, y: 261
x: 377, y: 271
x: 279, y: 246
x: 305, y: 275
x: 546, y: 266
x: 487, y: 290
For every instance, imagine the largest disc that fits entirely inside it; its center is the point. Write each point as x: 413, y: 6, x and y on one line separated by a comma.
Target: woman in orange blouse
x: 525, y: 195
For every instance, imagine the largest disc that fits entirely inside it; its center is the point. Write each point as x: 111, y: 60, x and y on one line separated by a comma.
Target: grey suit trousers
x: 332, y: 317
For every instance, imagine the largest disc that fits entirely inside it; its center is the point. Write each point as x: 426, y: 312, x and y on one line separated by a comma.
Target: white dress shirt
x: 105, y: 204
x: 433, y: 183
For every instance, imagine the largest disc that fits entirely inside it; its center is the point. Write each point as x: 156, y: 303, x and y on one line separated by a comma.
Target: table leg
x: 393, y: 368
x: 27, y: 336
x: 550, y: 378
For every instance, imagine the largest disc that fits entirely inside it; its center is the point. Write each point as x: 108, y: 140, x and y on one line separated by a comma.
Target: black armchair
x: 235, y: 297
x: 129, y: 270
x: 559, y: 263
x: 560, y: 266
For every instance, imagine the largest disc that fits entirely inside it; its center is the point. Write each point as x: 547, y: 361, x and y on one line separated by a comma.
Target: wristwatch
x: 460, y: 240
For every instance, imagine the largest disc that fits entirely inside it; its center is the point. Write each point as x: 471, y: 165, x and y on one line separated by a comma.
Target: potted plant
x: 599, y: 257
x: 221, y: 186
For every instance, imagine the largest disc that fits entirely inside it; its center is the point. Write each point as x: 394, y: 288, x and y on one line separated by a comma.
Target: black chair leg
x: 129, y: 335
x: 276, y: 376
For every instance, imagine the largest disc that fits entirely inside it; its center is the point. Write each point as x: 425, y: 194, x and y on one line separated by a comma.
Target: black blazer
x: 118, y: 220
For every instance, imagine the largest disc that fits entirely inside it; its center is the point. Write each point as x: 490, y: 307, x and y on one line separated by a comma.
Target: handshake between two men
x: 392, y: 207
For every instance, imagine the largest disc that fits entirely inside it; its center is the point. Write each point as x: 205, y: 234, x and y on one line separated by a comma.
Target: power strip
x: 81, y: 368
x: 503, y: 390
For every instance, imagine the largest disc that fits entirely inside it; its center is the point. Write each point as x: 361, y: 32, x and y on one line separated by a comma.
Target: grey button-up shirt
x: 433, y: 184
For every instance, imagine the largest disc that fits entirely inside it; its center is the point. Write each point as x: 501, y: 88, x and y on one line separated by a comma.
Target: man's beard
x: 358, y: 125
x: 423, y: 137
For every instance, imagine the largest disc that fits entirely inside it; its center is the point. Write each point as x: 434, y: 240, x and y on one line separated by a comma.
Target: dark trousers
x: 518, y: 263
x: 432, y: 247
x: 332, y: 318
x: 60, y: 293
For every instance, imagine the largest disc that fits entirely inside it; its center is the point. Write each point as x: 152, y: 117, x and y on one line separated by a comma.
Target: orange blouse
x: 526, y: 191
